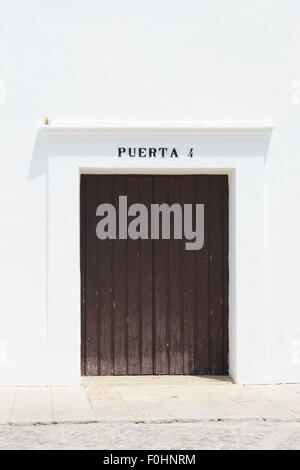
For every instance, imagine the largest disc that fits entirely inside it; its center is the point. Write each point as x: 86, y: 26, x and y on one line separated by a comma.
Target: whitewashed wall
x: 141, y: 60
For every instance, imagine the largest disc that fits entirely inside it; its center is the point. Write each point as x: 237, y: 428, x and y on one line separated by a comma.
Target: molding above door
x: 93, y: 130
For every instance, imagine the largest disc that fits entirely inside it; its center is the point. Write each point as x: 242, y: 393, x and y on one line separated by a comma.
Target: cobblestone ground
x: 214, y: 435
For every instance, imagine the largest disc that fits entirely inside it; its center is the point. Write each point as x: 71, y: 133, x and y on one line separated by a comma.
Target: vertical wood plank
x: 92, y: 354
x: 106, y: 286
x: 161, y: 259
x: 134, y: 289
x: 188, y: 291
x: 201, y: 314
x: 146, y: 276
x: 225, y: 274
x: 174, y: 275
x: 120, y: 288
x: 215, y: 276
x: 83, y: 271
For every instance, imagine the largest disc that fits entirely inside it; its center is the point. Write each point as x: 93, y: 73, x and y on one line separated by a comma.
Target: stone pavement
x: 150, y: 400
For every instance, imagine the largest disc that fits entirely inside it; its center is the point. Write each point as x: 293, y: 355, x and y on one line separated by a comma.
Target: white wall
x: 143, y: 60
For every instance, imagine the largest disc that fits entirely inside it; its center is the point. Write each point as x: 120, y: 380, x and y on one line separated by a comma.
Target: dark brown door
x: 151, y: 306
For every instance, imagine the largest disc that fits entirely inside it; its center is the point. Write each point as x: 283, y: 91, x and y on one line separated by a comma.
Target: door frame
x: 238, y: 151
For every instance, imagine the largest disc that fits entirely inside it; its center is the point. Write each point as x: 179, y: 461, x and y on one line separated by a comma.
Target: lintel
x: 86, y: 130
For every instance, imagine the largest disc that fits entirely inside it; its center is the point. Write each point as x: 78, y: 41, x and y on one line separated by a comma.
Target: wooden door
x: 149, y: 306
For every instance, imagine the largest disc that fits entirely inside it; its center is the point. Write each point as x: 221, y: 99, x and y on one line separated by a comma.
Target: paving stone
x: 71, y: 404
x: 111, y: 411
x: 7, y: 396
x: 32, y: 405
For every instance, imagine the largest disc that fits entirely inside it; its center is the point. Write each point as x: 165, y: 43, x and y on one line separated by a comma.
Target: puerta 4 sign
x: 152, y: 152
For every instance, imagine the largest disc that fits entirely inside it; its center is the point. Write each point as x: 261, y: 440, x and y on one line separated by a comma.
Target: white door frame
x: 236, y: 149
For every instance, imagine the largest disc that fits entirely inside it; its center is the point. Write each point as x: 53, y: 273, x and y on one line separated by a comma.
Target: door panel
x: 151, y: 306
